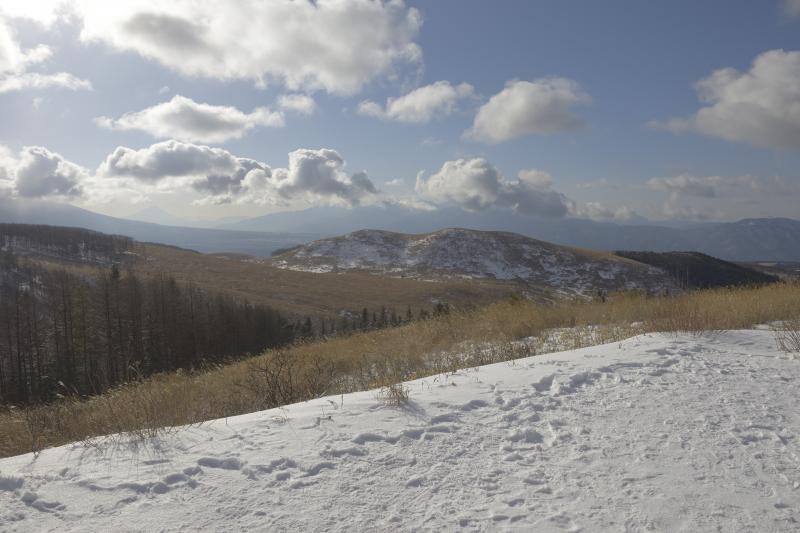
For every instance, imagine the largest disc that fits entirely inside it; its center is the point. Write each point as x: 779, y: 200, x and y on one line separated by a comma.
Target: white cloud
x: 687, y: 185
x: 313, y: 176
x: 694, y: 197
x: 597, y: 211
x: 475, y: 185
x: 184, y: 119
x: 792, y: 7
x: 299, y: 103
x: 420, y: 105
x: 397, y: 182
x: 318, y: 175
x: 409, y: 203
x: 529, y: 107
x: 332, y: 45
x: 8, y: 164
x: 672, y: 210
x: 212, y: 175
x: 168, y: 159
x: 42, y: 11
x: 12, y: 58
x: 536, y: 178
x: 368, y: 108
x: 40, y: 173
x: 36, y: 172
x: 15, y: 64
x: 759, y: 107
x: 37, y: 81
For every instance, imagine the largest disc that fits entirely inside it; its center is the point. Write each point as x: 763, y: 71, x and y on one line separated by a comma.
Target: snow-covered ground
x: 657, y: 433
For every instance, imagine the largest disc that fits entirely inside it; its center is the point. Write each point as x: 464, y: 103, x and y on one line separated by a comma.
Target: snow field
x: 657, y: 433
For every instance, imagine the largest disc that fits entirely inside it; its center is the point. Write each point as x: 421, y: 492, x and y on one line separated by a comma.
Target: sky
x: 614, y: 110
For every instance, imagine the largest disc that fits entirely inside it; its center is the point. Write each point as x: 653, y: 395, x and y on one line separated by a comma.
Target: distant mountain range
x: 206, y: 240
x: 762, y: 239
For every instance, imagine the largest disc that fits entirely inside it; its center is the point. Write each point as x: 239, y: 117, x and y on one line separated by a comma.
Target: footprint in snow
x: 228, y: 463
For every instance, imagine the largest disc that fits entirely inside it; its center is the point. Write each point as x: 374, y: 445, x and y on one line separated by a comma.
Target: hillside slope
x: 700, y: 271
x: 657, y: 433
x: 474, y: 254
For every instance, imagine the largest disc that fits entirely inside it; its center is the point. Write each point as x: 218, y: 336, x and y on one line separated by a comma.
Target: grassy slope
x: 306, y: 293
x: 385, y: 357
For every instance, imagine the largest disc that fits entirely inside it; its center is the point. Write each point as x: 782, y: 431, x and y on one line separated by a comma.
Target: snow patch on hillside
x: 657, y: 433
x: 474, y: 254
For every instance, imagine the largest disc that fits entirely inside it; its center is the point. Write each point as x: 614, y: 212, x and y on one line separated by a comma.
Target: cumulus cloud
x: 44, y: 12
x: 40, y: 173
x: 332, y: 45
x: 213, y: 175
x: 298, y: 103
x: 420, y: 105
x: 319, y: 174
x: 315, y: 176
x: 529, y: 107
x: 368, y: 108
x: 759, y: 107
x: 8, y: 164
x: 184, y: 119
x: 168, y: 159
x: 475, y: 185
x: 15, y: 64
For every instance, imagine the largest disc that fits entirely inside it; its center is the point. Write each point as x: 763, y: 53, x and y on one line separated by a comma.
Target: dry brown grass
x: 787, y: 334
x: 381, y: 359
x: 308, y: 293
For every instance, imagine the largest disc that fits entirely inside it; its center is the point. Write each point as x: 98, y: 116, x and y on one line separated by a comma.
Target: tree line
x: 367, y: 320
x: 70, y: 243
x: 62, y: 333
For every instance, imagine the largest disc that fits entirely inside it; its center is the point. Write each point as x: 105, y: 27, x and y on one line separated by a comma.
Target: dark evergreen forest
x: 62, y: 333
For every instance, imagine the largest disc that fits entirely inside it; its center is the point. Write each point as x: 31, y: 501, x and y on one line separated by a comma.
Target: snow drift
x: 659, y: 432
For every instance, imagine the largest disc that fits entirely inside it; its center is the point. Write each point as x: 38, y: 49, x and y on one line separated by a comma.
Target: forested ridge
x: 67, y: 331
x: 62, y: 333
x: 75, y: 244
x: 694, y: 270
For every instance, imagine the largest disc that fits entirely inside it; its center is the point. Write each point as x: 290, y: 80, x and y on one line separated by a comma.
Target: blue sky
x: 616, y: 138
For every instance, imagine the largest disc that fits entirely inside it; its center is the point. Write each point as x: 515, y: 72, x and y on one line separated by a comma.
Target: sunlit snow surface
x: 657, y: 433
